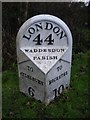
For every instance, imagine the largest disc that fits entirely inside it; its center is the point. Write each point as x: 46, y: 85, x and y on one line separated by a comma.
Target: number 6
x: 31, y: 91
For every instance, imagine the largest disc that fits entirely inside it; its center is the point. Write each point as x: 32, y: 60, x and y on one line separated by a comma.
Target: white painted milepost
x: 44, y: 52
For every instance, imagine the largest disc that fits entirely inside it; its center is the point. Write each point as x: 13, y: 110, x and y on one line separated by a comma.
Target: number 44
x: 39, y: 41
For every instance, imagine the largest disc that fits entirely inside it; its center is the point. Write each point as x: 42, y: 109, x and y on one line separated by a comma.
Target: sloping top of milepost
x: 45, y: 39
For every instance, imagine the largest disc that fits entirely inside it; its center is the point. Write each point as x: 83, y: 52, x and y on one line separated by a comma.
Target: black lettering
x: 66, y: 72
x: 62, y: 50
x: 49, y: 50
x: 37, y: 40
x: 31, y: 50
x: 38, y: 26
x: 27, y: 76
x: 49, y: 39
x: 61, y: 35
x: 35, y: 50
x: 43, y: 57
x: 49, y: 26
x: 55, y: 57
x: 31, y: 30
x: 50, y: 82
x: 44, y: 50
x: 34, y: 79
x: 30, y: 68
x: 59, y: 68
x: 58, y: 50
x: 56, y: 29
x: 31, y: 91
x: 26, y: 50
x: 24, y: 75
x: 34, y: 58
x: 27, y: 37
x: 53, y: 50
x: 55, y: 92
x: 50, y: 57
x: 40, y: 50
x: 60, y: 89
x: 38, y: 58
x: 58, y: 77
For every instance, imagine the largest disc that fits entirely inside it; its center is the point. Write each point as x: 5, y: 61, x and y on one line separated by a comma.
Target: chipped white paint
x: 44, y: 50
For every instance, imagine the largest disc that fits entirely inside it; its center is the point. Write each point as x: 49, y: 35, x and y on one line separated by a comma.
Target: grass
x: 73, y: 103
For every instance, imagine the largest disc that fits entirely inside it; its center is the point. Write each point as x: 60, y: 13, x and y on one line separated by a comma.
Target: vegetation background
x: 73, y: 103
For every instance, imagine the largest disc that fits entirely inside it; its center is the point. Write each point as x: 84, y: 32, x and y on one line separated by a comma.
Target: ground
x: 73, y: 103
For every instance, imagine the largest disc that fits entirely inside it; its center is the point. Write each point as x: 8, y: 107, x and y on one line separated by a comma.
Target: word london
x: 44, y: 53
x: 45, y: 26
